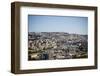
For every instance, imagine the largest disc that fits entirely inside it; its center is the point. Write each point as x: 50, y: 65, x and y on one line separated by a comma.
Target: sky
x: 68, y: 24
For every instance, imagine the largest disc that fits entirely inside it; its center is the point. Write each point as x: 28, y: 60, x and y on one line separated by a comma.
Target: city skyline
x: 69, y: 24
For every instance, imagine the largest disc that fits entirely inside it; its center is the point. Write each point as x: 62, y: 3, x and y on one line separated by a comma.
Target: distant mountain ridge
x: 58, y: 34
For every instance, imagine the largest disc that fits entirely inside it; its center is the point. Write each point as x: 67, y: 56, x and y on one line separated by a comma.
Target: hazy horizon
x: 66, y: 24
x: 59, y: 32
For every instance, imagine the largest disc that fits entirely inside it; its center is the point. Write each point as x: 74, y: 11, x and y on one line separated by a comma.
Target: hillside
x: 56, y: 45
